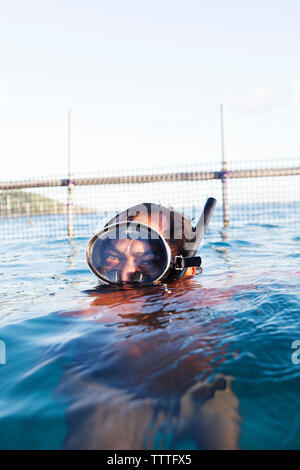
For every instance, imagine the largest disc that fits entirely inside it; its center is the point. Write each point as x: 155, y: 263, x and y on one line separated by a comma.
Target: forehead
x: 170, y: 224
x: 159, y: 221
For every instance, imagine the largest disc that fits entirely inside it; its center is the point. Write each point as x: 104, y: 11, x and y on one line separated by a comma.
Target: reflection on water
x: 148, y: 381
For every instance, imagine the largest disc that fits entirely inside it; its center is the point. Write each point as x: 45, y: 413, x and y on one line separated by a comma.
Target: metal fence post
x: 224, y: 170
x: 70, y: 183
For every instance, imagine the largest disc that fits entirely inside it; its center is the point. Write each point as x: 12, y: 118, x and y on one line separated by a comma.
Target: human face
x: 131, y: 258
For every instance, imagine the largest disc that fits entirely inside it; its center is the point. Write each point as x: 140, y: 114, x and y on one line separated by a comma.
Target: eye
x: 147, y: 259
x: 144, y: 262
x: 112, y: 258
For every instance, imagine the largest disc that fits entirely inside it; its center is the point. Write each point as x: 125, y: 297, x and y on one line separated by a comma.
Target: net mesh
x: 257, y: 192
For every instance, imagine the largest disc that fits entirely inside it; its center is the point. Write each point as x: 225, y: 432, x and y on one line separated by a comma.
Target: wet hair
x: 178, y: 232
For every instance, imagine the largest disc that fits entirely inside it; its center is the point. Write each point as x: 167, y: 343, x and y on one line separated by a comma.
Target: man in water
x: 141, y: 388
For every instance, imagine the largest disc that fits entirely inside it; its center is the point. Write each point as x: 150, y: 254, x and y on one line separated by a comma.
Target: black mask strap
x: 182, y: 262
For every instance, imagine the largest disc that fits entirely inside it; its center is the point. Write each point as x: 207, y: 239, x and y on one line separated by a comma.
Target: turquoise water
x: 113, y: 368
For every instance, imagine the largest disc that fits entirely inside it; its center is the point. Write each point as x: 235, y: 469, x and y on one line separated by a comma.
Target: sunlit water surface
x: 114, y: 368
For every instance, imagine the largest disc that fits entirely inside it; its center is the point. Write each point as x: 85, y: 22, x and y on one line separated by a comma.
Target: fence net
x: 257, y: 193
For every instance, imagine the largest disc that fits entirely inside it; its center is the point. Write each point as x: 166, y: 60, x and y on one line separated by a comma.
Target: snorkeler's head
x: 173, y: 226
x: 146, y: 243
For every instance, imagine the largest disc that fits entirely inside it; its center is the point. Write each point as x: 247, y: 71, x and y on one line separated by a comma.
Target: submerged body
x: 161, y: 378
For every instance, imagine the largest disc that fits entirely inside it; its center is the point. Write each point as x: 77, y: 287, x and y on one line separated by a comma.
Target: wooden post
x: 224, y: 169
x: 70, y: 182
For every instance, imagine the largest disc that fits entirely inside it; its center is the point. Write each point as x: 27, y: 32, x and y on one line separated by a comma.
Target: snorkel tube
x: 202, y: 224
x: 199, y: 230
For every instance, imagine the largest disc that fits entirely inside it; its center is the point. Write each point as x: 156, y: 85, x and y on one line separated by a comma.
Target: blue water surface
x: 113, y: 368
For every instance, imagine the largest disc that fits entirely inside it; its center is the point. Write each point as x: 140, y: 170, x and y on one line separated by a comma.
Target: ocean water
x: 88, y: 367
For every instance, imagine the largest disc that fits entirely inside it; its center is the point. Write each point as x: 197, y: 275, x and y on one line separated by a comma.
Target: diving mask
x: 133, y: 252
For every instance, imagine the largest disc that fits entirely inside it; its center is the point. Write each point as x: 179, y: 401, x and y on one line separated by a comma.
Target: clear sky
x: 144, y: 80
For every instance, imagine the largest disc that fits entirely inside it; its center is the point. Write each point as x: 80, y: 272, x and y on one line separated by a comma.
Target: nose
x: 128, y: 270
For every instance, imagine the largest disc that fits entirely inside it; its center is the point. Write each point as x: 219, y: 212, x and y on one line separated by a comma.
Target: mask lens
x: 129, y: 253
